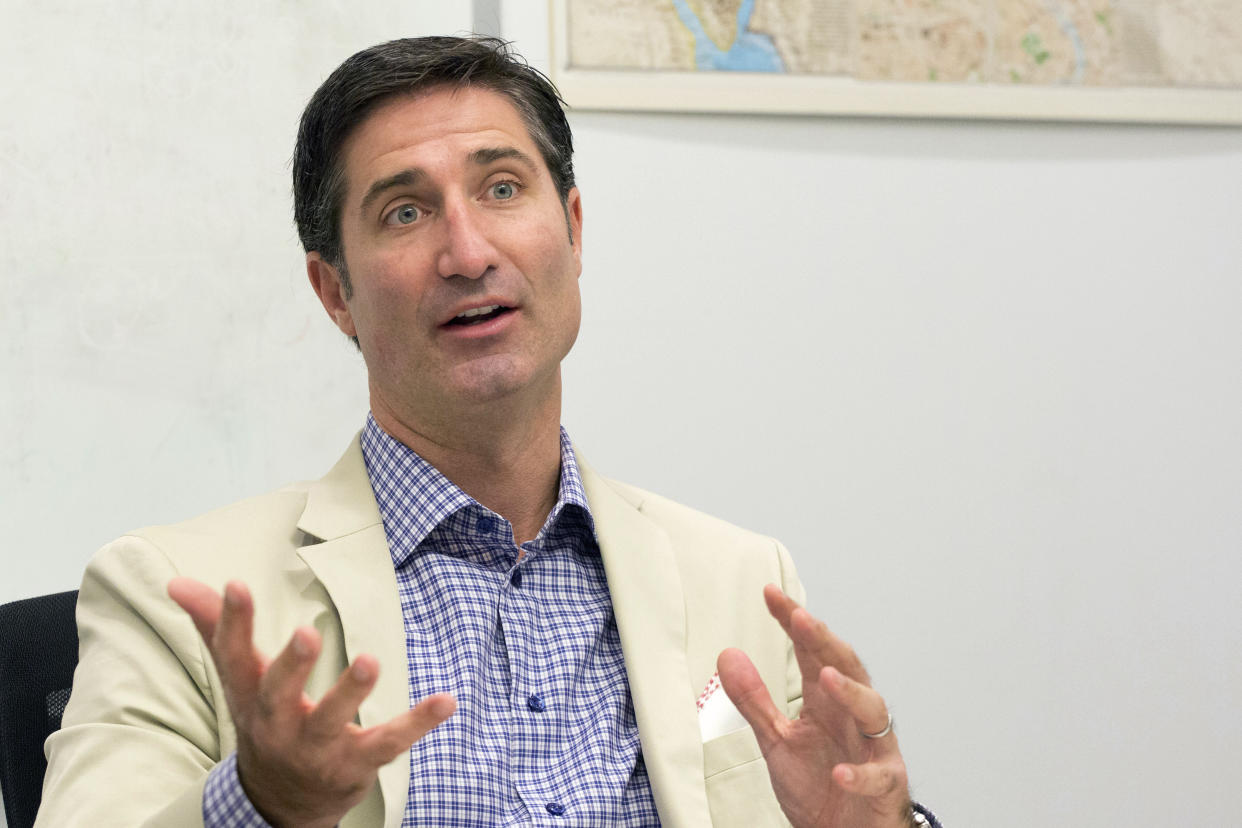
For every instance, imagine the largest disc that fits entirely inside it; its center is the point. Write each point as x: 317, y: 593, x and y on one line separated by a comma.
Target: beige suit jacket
x: 147, y: 719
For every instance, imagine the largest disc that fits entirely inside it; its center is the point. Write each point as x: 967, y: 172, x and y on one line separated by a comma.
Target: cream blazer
x: 147, y: 718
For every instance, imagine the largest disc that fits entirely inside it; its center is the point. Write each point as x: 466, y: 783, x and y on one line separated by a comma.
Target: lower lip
x: 481, y: 330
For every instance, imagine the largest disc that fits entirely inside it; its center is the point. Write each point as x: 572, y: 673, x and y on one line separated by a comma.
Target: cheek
x: 543, y: 233
x: 386, y: 310
x: 393, y: 287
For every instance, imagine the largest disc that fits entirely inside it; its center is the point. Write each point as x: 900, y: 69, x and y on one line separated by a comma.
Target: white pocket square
x: 717, y: 715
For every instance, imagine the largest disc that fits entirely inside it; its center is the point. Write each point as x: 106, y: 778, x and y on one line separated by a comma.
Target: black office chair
x: 38, y: 651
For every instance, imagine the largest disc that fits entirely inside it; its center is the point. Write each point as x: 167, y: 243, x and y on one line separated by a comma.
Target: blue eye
x: 504, y: 190
x: 405, y: 214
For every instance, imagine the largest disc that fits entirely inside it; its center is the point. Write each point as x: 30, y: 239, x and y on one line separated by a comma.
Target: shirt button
x: 516, y: 578
x: 535, y: 702
x: 555, y: 808
x: 485, y: 525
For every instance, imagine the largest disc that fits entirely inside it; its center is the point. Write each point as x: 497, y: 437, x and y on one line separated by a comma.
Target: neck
x: 505, y: 455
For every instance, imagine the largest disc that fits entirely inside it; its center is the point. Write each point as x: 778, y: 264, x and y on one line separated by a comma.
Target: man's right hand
x: 300, y: 762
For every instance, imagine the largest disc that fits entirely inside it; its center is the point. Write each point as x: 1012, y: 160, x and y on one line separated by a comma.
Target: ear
x: 326, y: 281
x: 573, y: 212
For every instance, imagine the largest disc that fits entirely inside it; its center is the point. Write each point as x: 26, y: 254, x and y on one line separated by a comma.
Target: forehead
x: 429, y: 127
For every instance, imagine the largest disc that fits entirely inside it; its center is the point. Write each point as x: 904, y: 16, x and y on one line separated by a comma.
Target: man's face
x: 465, y: 280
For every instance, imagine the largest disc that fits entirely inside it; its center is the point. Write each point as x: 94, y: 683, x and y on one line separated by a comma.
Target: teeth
x: 476, y: 312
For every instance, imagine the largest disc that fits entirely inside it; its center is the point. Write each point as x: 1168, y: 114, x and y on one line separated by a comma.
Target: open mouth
x: 476, y: 316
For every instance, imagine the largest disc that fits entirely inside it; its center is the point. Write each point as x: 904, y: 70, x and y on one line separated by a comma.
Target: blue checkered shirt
x: 544, y: 732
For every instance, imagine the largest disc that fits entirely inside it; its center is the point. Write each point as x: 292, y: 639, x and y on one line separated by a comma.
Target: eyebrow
x: 405, y: 178
x: 488, y: 155
x: 480, y: 157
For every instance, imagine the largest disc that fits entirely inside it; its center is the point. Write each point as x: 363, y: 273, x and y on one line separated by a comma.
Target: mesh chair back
x: 38, y: 651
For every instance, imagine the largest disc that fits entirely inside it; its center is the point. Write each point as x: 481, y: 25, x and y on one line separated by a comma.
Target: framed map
x: 1102, y: 60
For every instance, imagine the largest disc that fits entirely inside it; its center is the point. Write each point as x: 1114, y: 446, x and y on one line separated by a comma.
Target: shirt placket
x: 533, y: 694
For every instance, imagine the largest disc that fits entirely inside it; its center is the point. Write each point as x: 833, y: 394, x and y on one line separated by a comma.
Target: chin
x: 491, y: 380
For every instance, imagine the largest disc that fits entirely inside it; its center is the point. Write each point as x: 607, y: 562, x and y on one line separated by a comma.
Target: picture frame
x: 621, y: 87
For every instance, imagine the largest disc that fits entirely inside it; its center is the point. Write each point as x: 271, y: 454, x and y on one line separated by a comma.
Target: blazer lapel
x: 353, y: 564
x: 647, y: 600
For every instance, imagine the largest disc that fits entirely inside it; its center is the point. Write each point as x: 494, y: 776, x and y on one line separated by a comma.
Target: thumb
x: 744, y: 687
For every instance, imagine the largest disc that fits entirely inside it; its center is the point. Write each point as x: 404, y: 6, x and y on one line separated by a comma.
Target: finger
x: 818, y: 644
x: 779, y: 604
x: 863, y: 703
x: 200, y: 601
x: 339, y: 705
x: 381, y: 744
x: 232, y: 646
x: 744, y: 687
x: 809, y: 662
x: 821, y: 646
x: 782, y: 607
x: 281, y: 688
x: 874, y: 779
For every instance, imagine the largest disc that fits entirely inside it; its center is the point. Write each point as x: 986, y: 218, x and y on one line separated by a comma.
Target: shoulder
x: 124, y: 587
x: 720, y: 571
x: 259, y: 534
x: 262, y: 520
x: 231, y: 531
x: 689, y: 524
x: 712, y: 553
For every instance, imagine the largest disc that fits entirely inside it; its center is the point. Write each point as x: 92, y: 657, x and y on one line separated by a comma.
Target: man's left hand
x: 825, y: 772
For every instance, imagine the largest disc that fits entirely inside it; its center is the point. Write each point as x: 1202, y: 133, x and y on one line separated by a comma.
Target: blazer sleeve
x: 141, y: 730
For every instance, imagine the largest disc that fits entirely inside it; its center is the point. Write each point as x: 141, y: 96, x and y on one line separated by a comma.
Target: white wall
x: 983, y: 379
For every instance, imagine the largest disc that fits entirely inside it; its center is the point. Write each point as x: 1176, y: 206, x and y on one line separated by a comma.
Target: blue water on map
x: 749, y: 52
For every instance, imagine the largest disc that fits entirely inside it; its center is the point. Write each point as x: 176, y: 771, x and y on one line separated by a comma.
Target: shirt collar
x: 414, y: 497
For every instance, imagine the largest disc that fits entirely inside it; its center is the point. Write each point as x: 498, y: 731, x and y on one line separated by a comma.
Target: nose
x: 466, y: 250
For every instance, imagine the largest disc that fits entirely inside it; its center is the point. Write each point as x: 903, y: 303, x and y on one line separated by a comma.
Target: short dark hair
x: 411, y: 65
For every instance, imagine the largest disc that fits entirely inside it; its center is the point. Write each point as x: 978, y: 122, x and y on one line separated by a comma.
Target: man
x: 554, y: 627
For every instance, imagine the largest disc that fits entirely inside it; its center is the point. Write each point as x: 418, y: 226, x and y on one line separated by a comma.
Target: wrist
x: 920, y: 817
x: 225, y: 803
x: 267, y: 801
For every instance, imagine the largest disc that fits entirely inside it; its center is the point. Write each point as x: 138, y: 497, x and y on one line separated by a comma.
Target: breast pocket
x: 739, y: 792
